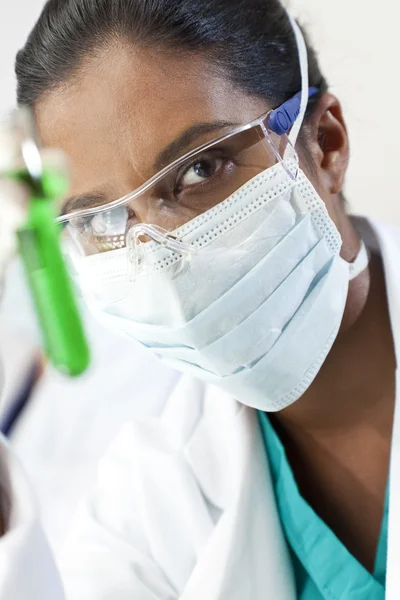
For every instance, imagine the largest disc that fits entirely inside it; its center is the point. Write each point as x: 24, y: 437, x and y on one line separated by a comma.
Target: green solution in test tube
x: 49, y: 281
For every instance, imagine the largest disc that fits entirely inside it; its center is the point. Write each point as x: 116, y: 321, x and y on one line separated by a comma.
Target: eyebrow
x: 173, y: 151
x: 81, y: 202
x: 178, y: 146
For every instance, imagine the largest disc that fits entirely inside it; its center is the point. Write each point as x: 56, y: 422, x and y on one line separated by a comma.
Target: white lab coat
x: 184, y: 506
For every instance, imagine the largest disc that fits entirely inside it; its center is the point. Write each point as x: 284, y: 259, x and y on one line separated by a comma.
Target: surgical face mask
x: 235, y: 275
x: 256, y: 309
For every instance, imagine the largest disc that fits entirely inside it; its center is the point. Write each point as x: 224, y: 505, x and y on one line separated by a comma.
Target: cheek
x: 333, y: 203
x: 316, y: 177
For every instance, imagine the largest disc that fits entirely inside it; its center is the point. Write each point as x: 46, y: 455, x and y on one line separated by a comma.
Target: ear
x: 330, y: 144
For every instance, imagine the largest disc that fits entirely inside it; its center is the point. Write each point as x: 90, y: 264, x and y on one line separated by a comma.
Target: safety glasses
x: 188, y: 187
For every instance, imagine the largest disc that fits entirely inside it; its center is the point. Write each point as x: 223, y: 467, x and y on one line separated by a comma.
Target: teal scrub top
x: 324, y: 569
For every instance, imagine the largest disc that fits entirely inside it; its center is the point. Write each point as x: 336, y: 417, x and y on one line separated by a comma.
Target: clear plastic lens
x: 188, y: 188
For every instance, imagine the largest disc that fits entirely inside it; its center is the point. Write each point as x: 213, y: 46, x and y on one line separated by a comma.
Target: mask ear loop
x: 303, y: 60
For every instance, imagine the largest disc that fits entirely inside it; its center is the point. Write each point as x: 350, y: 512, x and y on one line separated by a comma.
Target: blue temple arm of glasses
x: 282, y: 118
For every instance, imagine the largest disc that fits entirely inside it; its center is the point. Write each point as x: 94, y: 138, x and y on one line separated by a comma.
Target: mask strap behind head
x: 303, y: 60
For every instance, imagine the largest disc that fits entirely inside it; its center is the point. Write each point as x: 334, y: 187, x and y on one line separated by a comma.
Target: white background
x: 358, y: 43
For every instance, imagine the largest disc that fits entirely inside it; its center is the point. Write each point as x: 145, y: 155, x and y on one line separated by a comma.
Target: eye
x: 105, y: 223
x: 199, y: 172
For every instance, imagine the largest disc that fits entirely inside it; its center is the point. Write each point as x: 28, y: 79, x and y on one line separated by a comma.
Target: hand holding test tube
x: 29, y: 185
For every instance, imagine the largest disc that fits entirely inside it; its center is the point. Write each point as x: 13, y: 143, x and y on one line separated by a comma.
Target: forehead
x: 126, y: 105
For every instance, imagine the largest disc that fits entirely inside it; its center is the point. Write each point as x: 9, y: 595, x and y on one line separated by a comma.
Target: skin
x: 124, y: 107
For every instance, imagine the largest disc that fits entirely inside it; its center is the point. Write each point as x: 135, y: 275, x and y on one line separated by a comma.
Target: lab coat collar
x: 388, y: 238
x: 227, y: 456
x: 25, y: 558
x: 389, y: 242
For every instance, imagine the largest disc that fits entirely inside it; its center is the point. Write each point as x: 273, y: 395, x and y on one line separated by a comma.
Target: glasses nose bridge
x: 141, y: 206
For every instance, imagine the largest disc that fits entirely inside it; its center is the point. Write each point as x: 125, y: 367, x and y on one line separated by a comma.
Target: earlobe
x: 332, y: 142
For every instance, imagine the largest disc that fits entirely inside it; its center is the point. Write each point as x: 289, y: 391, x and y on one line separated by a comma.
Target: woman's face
x: 128, y: 109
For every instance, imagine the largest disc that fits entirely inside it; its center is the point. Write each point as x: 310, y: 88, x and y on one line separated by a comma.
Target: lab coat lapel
x: 393, y: 559
x: 246, y: 555
x: 389, y: 241
x: 27, y: 569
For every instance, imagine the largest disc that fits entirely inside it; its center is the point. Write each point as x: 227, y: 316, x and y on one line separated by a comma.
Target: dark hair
x: 249, y: 41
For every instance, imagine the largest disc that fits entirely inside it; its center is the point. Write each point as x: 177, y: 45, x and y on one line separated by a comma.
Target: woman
x: 235, y: 261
